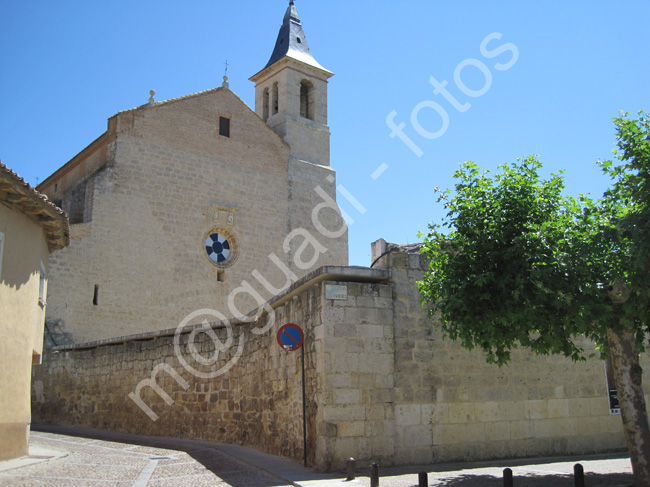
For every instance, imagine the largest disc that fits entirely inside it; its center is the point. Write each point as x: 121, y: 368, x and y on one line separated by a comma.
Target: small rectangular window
x: 96, y: 295
x: 224, y: 126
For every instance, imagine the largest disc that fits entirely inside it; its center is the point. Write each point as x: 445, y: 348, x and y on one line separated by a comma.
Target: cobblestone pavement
x: 62, y: 457
x: 81, y: 461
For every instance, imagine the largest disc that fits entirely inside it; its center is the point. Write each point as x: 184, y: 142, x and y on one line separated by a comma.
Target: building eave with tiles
x: 31, y: 227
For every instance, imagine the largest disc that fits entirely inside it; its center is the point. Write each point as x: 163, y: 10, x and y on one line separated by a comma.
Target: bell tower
x: 291, y: 93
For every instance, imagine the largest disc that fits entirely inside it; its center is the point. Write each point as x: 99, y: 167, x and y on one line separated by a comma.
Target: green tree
x: 517, y: 263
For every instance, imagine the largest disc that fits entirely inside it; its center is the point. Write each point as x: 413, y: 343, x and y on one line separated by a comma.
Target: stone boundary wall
x: 450, y: 405
x: 257, y: 401
x: 382, y: 384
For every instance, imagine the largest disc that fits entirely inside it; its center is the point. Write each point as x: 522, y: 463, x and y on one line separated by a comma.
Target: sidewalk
x: 63, y: 456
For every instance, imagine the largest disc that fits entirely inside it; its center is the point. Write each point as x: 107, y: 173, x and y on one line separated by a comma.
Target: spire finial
x: 225, y: 76
x: 290, y: 2
x: 151, y: 99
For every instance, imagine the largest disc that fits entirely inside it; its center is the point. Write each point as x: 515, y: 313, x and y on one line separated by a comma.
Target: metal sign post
x: 291, y: 338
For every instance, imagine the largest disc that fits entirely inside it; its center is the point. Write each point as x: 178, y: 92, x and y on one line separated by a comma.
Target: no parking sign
x: 290, y: 337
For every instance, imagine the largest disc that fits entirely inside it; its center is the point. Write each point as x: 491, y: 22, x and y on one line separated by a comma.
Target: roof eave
x: 19, y: 195
x: 316, y: 68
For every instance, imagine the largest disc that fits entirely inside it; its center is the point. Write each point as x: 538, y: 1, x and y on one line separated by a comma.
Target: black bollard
x: 507, y: 478
x: 579, y: 475
x: 352, y: 465
x: 374, y: 475
x: 423, y: 479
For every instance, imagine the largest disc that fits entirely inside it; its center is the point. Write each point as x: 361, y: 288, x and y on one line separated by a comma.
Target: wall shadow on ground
x: 232, y: 471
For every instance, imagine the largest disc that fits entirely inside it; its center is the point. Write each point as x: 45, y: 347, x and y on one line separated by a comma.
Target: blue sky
x: 67, y: 66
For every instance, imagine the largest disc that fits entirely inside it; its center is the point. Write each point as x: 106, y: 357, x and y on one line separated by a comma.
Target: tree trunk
x: 628, y: 379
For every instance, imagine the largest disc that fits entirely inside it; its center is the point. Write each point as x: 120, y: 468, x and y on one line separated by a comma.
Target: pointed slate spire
x: 291, y: 41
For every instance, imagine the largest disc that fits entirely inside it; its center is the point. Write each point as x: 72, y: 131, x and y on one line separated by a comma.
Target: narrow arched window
x: 306, y: 99
x: 274, y: 101
x: 265, y: 104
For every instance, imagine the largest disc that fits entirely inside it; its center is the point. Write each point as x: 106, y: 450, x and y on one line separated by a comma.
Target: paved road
x: 65, y: 457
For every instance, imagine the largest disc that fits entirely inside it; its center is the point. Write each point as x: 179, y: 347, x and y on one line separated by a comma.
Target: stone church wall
x: 138, y: 258
x: 312, y: 200
x: 382, y: 383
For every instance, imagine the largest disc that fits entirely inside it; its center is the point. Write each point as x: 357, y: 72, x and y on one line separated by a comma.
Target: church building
x: 199, y: 206
x: 198, y: 203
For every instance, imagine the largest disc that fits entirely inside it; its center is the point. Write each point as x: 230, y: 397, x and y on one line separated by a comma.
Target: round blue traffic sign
x: 290, y: 337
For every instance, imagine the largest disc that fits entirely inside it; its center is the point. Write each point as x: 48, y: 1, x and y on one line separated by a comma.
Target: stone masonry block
x: 354, y: 345
x: 376, y: 412
x: 347, y: 396
x: 378, y: 363
x: 497, y: 431
x: 599, y: 406
x: 362, y: 315
x: 363, y: 380
x: 536, y: 409
x: 386, y: 381
x: 379, y: 396
x: 435, y: 413
x: 343, y: 362
x: 344, y: 413
x: 611, y: 423
x: 352, y: 428
x: 522, y: 429
x: 332, y: 315
x: 380, y: 345
x: 366, y: 301
x: 414, y: 261
x: 344, y: 448
x: 545, y: 428
x: 487, y: 412
x: 471, y: 433
x: 567, y: 426
x: 415, y: 436
x: 408, y: 414
x: 511, y: 411
x: 462, y: 413
x: 328, y: 429
x: 588, y: 425
x: 446, y: 434
x: 557, y: 408
x: 338, y: 380
x: 344, y: 330
x: 371, y: 331
x: 337, y: 345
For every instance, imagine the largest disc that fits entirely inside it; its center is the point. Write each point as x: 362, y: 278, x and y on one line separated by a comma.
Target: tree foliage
x: 517, y: 262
